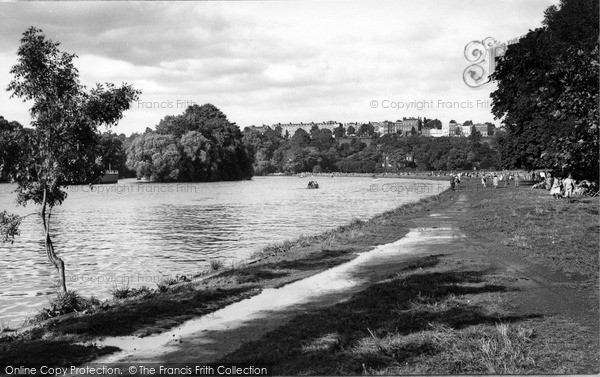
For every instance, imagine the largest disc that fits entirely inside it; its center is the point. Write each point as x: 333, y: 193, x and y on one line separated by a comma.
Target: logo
x: 483, y: 55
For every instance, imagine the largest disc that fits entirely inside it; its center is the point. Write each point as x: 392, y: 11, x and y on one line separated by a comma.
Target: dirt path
x: 211, y: 337
x: 533, y: 289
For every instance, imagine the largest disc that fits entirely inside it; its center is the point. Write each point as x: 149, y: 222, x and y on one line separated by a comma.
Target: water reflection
x: 134, y: 233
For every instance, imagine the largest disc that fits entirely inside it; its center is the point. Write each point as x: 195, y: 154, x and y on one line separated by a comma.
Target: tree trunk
x: 52, y: 257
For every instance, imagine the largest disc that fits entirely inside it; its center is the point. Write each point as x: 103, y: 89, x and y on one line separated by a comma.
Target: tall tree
x: 547, y: 94
x: 198, y: 145
x: 339, y: 131
x: 64, y: 145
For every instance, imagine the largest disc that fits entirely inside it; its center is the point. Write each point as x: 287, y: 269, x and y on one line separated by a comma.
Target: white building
x: 465, y: 130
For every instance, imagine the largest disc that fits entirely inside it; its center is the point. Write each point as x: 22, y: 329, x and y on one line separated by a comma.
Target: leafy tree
x: 9, y: 146
x: 301, y: 138
x: 112, y: 152
x: 323, y: 139
x: 64, y: 145
x: 475, y: 136
x: 314, y: 130
x: 339, y: 131
x: 198, y: 145
x: 351, y: 130
x: 547, y: 94
x: 432, y: 123
x: 366, y: 130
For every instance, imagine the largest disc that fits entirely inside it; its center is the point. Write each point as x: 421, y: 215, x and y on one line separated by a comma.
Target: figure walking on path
x: 495, y: 181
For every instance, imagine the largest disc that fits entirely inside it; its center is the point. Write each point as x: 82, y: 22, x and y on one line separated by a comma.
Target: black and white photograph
x: 282, y: 188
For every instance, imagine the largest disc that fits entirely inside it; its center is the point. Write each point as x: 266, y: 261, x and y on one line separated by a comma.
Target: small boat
x: 313, y: 185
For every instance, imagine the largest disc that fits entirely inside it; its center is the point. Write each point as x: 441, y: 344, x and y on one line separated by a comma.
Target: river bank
x: 148, y: 311
x: 515, y: 292
x: 161, y: 230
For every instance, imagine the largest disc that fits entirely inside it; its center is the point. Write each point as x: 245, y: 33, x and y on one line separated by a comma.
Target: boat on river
x: 313, y: 185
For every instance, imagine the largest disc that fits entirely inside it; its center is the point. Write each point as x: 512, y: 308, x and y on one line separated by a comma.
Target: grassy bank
x: 145, y: 311
x: 518, y: 296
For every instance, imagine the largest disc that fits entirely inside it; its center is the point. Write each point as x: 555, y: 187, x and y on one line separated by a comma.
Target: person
x: 549, y: 181
x: 452, y: 182
x: 483, y: 182
x: 568, y: 186
x: 555, y: 190
x: 495, y: 181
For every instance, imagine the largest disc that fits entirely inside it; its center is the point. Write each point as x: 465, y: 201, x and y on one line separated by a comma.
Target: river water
x: 136, y: 233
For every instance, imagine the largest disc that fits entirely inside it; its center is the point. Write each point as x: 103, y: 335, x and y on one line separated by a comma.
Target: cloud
x: 272, y: 61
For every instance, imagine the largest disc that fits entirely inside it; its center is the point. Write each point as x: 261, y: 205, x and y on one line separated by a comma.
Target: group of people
x: 455, y: 181
x: 496, y: 178
x: 567, y: 187
x: 562, y: 188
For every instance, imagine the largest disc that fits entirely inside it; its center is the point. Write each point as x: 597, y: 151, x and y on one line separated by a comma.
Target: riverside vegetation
x: 455, y: 312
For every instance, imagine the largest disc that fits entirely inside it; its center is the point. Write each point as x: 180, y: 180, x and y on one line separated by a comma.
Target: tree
x: 198, y: 145
x: 547, y: 94
x: 64, y: 146
x: 9, y: 146
x: 155, y: 157
x: 351, y: 130
x: 339, y: 131
x: 300, y: 138
x: 112, y: 152
x: 475, y: 136
x: 366, y: 129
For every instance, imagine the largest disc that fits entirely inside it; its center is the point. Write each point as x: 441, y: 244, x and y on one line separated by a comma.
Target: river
x: 136, y: 233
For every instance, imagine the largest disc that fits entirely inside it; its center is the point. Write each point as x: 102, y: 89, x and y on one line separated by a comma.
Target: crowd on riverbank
x: 559, y: 187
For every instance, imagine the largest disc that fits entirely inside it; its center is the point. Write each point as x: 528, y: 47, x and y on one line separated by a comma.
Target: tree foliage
x: 273, y: 153
x: 200, y: 145
x: 547, y: 94
x: 63, y: 145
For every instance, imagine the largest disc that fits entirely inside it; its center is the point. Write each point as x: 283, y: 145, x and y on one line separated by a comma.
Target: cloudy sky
x: 268, y: 62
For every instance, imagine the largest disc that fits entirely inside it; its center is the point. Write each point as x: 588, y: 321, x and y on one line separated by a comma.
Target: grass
x: 424, y: 311
x: 216, y: 264
x: 439, y: 315
x: 556, y: 233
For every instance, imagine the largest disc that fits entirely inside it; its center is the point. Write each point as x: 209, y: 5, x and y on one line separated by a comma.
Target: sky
x: 275, y: 61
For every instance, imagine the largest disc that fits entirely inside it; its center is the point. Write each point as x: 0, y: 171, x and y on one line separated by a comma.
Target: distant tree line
x: 111, y: 148
x: 202, y: 145
x: 318, y: 151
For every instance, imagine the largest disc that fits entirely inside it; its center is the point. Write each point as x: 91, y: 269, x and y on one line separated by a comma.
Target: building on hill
x: 403, y: 127
x: 291, y: 128
x: 486, y: 129
x: 465, y: 130
x: 407, y: 125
